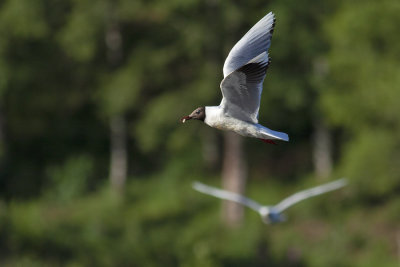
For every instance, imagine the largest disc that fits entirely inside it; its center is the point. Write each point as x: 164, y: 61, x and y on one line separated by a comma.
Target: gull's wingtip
x: 196, y: 184
x: 336, y: 184
x: 200, y: 187
x: 271, y: 13
x: 342, y: 181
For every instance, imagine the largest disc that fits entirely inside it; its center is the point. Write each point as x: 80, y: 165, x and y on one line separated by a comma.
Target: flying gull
x: 270, y: 214
x: 244, y: 72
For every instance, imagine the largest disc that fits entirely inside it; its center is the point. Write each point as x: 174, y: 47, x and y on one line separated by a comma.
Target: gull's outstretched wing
x: 318, y: 190
x: 209, y: 190
x: 244, y: 71
x: 255, y: 42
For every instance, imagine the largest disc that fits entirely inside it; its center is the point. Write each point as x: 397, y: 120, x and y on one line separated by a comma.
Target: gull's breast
x: 217, y: 119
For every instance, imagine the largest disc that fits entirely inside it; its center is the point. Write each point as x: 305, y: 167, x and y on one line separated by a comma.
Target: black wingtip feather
x: 254, y: 71
x: 273, y: 26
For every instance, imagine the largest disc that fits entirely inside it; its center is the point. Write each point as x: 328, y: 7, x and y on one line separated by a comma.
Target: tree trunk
x: 118, y: 136
x: 234, y: 174
x: 2, y: 136
x: 119, y: 153
x: 322, y: 150
x: 321, y: 140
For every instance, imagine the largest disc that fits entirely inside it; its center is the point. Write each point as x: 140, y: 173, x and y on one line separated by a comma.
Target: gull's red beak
x: 185, y: 118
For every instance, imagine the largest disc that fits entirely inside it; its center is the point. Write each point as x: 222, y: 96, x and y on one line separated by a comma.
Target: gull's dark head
x: 197, y: 114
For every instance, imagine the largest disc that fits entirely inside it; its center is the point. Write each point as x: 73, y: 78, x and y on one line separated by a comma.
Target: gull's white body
x: 270, y: 214
x: 216, y: 118
x: 244, y: 72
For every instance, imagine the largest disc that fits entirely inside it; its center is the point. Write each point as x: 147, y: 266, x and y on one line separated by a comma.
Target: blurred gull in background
x: 270, y: 214
x: 244, y: 72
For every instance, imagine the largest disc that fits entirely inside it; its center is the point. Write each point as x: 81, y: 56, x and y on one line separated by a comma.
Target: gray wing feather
x: 256, y: 41
x: 318, y: 190
x: 209, y: 190
x: 241, y: 90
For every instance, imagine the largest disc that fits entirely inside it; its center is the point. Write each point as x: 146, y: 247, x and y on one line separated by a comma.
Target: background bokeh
x: 96, y: 170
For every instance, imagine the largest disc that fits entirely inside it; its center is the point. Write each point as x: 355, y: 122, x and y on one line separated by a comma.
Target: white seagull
x: 244, y: 72
x: 270, y: 214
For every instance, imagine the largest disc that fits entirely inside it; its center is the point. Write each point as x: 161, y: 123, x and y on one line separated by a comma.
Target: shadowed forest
x: 96, y: 168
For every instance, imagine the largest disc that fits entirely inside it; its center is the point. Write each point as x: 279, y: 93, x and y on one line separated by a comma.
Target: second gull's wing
x: 318, y: 190
x: 209, y: 190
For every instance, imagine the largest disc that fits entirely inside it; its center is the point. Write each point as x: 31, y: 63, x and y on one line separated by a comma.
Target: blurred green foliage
x: 337, y: 61
x: 70, y: 179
